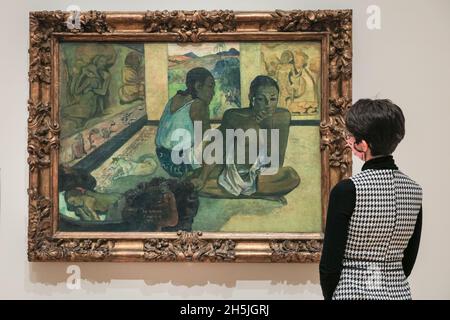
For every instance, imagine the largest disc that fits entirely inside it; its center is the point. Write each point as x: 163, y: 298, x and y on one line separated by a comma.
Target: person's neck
x: 380, y: 162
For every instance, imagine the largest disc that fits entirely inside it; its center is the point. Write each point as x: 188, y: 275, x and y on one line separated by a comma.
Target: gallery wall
x: 405, y: 60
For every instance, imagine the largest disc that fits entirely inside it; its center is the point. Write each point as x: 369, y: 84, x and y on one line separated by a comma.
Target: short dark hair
x: 193, y: 76
x: 261, y: 81
x: 379, y: 122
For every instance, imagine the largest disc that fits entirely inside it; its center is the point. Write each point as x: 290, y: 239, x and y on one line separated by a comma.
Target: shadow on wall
x: 178, y: 274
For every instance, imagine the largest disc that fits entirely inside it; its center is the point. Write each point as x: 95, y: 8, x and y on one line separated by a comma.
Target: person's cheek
x: 357, y: 153
x: 273, y: 105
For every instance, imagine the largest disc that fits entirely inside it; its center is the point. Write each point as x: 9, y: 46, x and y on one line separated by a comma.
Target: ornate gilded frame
x: 45, y: 243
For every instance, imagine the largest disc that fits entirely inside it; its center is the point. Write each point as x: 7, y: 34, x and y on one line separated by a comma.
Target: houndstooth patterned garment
x: 386, y: 209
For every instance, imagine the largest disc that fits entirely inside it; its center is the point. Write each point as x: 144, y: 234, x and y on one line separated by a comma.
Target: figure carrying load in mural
x: 90, y: 86
x: 285, y: 74
x: 298, y: 83
x: 305, y: 91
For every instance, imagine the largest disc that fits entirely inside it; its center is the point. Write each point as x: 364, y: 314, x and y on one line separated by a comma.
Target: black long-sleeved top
x: 340, y: 208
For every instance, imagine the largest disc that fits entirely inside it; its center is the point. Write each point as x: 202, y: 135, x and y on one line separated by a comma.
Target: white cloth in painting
x: 242, y: 181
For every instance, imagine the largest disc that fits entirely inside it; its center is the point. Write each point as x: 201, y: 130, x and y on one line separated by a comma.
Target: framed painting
x: 194, y: 136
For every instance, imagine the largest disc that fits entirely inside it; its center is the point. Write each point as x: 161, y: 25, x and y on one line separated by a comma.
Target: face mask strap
x: 361, y: 152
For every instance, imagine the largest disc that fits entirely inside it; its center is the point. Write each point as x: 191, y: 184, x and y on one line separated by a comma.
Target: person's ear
x: 251, y: 99
x: 197, y: 86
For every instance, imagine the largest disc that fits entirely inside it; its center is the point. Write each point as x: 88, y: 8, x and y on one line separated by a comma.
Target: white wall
x: 407, y: 61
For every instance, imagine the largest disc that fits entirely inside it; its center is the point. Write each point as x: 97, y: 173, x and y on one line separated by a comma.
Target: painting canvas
x: 185, y: 136
x: 118, y: 101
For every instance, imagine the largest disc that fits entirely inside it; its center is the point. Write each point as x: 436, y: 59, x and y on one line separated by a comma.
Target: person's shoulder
x: 282, y: 110
x: 237, y: 112
x: 175, y: 102
x: 282, y: 113
x: 198, y: 105
x: 343, y: 196
x: 344, y: 187
x: 407, y: 181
